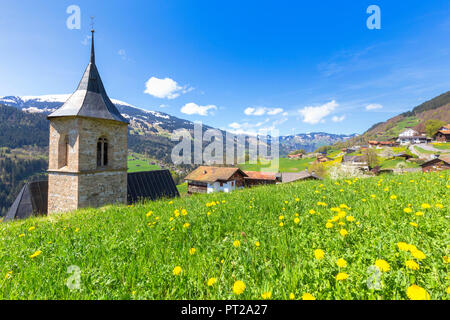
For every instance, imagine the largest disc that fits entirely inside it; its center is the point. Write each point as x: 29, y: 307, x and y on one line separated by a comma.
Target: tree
x: 432, y: 126
x: 372, y: 157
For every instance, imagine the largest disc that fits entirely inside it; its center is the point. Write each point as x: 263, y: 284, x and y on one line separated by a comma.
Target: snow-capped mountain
x: 145, y: 122
x: 141, y: 121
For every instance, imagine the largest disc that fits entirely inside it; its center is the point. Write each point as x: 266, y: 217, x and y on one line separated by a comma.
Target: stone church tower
x: 88, y: 148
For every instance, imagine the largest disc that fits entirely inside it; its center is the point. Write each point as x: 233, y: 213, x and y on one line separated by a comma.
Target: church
x: 88, y: 151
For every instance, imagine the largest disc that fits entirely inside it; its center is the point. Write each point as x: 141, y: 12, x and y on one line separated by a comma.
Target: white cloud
x: 122, y: 53
x: 86, y: 41
x: 235, y: 125
x: 338, y: 119
x: 374, y: 106
x: 314, y: 115
x: 193, y: 108
x: 165, y: 88
x: 260, y: 111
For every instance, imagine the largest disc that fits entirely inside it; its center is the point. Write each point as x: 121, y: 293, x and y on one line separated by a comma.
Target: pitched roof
x: 445, y: 158
x: 31, y: 200
x: 294, y: 176
x: 151, y: 185
x: 353, y: 159
x: 256, y: 175
x: 212, y: 174
x: 90, y: 98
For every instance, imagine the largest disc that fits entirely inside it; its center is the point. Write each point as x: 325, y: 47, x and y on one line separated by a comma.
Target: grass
x: 285, y: 165
x: 182, y: 188
x: 131, y: 252
x: 392, y: 163
x: 442, y: 146
x: 422, y: 150
x: 138, y: 163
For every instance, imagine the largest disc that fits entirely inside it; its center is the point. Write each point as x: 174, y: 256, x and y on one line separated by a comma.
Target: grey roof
x: 90, y: 98
x: 294, y: 176
x: 31, y: 201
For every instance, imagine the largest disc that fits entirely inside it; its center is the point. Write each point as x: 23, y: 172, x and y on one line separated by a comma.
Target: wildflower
x: 415, y: 292
x: 440, y: 206
x: 176, y: 213
x: 133, y: 293
x: 222, y: 261
x: 403, y: 246
x: 425, y: 206
x: 238, y: 287
x: 186, y: 225
x: 292, y: 296
x: 266, y: 295
x: 419, y: 213
x: 31, y: 228
x: 8, y: 274
x: 148, y: 214
x: 407, y: 210
x: 419, y: 255
x: 21, y: 235
x: 281, y: 224
x: 280, y: 217
x: 448, y: 290
x: 176, y: 271
x: 393, y: 197
x: 312, y: 211
x: 34, y: 255
x: 383, y: 265
x: 414, y: 224
x: 183, y: 212
x: 296, y: 220
x: 257, y: 244
x: 236, y: 243
x: 192, y: 251
x: 77, y: 229
x: 373, y: 196
x: 329, y: 225
x: 341, y: 263
x: 341, y: 276
x: 319, y: 254
x: 171, y: 219
x: 350, y: 219
x: 410, y: 264
x: 446, y: 259
x: 344, y: 206
x: 211, y: 281
x: 308, y: 296
x: 343, y: 232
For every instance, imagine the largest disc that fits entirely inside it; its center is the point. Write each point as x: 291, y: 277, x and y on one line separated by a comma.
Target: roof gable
x: 212, y: 174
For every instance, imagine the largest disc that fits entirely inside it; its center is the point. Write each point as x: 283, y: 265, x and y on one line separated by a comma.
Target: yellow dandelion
x: 308, y: 296
x: 281, y: 224
x: 236, y: 243
x: 439, y: 205
x: 343, y: 232
x: 31, y: 228
x: 341, y: 263
x: 34, y: 255
x: 419, y: 255
x: 211, y: 281
x: 177, y: 270
x: 257, y: 244
x: 403, y: 246
x: 415, y: 292
x: 238, y: 287
x: 419, y: 213
x: 341, y: 276
x: 292, y: 296
x: 383, y: 265
x: 8, y: 274
x: 186, y: 225
x: 148, y: 214
x: 319, y: 254
x: 312, y: 211
x: 266, y: 295
x: 183, y: 212
x: 425, y: 206
x: 21, y: 235
x: 329, y: 225
x: 407, y: 210
x: 192, y: 251
x: 350, y: 218
x: 280, y: 217
x: 414, y: 224
x: 410, y: 264
x: 393, y: 197
x: 296, y: 220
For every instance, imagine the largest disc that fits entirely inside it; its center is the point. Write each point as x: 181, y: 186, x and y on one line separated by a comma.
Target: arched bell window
x: 102, y: 152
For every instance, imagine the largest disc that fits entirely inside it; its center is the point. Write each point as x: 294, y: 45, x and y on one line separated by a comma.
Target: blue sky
x: 298, y: 66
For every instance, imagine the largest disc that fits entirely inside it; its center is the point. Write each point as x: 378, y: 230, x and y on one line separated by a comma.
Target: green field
x: 137, y: 163
x: 442, y: 146
x: 285, y: 165
x: 320, y: 238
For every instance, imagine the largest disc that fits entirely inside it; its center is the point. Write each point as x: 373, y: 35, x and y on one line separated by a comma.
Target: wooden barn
x: 255, y: 178
x: 208, y: 179
x: 438, y: 164
x: 443, y: 135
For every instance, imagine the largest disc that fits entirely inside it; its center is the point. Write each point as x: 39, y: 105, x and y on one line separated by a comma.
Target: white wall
x: 226, y: 187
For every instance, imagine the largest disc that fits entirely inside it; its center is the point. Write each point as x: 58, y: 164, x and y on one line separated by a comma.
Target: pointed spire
x: 92, y: 60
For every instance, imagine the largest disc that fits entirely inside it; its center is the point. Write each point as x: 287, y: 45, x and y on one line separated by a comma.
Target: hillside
x: 328, y: 239
x: 436, y: 108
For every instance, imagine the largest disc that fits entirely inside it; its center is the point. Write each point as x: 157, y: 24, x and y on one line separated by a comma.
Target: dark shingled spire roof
x: 90, y: 98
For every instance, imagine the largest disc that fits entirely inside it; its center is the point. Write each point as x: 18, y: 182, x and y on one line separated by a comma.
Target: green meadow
x: 373, y: 238
x: 285, y: 165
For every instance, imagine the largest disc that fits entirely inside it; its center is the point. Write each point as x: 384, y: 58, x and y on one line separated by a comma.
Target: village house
x: 287, y: 177
x: 437, y: 164
x: 255, y: 178
x: 411, y: 136
x: 443, y: 134
x: 355, y: 161
x: 208, y: 179
x: 295, y: 156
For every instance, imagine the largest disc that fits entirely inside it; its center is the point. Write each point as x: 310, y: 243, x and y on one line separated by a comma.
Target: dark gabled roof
x: 295, y: 176
x: 213, y: 174
x: 444, y: 158
x: 151, y: 185
x: 90, y: 98
x: 31, y: 200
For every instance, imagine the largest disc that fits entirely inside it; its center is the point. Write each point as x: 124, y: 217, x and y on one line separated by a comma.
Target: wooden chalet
x: 438, y: 164
x: 258, y: 178
x: 443, y: 135
x: 208, y: 179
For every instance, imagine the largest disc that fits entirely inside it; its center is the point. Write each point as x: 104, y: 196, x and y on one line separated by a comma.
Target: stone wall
x: 62, y: 192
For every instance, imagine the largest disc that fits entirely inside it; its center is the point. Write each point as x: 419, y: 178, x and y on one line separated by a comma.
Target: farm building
x: 443, y: 135
x: 287, y: 177
x: 208, y: 179
x: 437, y: 164
x: 411, y: 136
x: 295, y: 156
x: 258, y: 178
x: 355, y: 161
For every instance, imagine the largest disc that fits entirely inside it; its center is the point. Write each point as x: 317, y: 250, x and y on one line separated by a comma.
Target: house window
x: 102, y: 152
x: 66, y: 147
x: 63, y: 151
x: 221, y: 184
